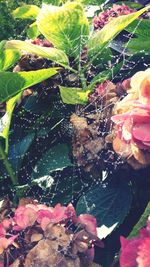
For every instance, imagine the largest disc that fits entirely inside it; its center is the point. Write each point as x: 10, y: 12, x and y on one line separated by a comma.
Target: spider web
x: 69, y: 176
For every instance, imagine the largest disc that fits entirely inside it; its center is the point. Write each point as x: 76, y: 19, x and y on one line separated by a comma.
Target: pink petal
x: 127, y: 130
x: 2, y: 230
x: 45, y: 222
x: 141, y: 131
x: 142, y: 106
x: 89, y: 222
x: 143, y: 258
x: 71, y: 213
x: 7, y: 223
x: 119, y: 119
x: 25, y: 217
x: 129, y: 252
x: 56, y: 214
x: 140, y: 115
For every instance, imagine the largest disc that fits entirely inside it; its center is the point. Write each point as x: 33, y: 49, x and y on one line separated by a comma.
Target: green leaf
x: 66, y: 27
x: 104, y: 75
x: 141, y: 223
x: 139, y: 45
x: 56, y: 158
x: 32, y: 31
x: 18, y: 150
x: 73, y: 95
x: 53, y: 2
x: 109, y: 204
x: 26, y: 12
x: 6, y: 119
x: 130, y: 4
x: 101, y: 38
x: 12, y: 83
x: 53, y: 54
x: 8, y: 57
x: 140, y: 27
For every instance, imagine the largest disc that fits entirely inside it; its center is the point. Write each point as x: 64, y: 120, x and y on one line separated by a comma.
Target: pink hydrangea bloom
x: 104, y: 17
x: 89, y: 222
x: 133, y: 126
x: 135, y: 252
x: 24, y: 217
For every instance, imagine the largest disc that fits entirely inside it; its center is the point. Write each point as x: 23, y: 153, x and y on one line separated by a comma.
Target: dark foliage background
x: 11, y: 28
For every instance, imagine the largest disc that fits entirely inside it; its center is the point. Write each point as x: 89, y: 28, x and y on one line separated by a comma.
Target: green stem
x: 8, y: 166
x: 83, y: 80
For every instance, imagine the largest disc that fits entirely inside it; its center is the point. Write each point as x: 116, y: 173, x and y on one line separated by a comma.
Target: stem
x: 8, y: 166
x: 83, y: 80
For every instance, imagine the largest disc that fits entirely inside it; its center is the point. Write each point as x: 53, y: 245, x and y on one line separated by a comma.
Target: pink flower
x: 104, y: 17
x: 2, y: 230
x: 55, y: 215
x: 135, y: 252
x: 133, y: 126
x: 24, y: 217
x: 89, y: 222
x: 41, y: 42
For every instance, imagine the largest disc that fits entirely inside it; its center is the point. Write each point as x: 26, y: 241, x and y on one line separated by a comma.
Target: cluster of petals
x: 135, y: 251
x: 105, y: 16
x: 132, y: 114
x: 42, y: 215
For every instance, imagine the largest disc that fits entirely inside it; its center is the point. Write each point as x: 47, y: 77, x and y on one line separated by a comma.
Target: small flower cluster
x: 135, y: 251
x: 39, y: 222
x: 132, y: 121
x: 41, y: 42
x: 104, y: 17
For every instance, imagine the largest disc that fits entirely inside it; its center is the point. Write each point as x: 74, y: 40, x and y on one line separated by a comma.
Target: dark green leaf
x: 105, y: 75
x: 109, y: 204
x: 140, y: 27
x: 56, y: 158
x: 139, y: 45
x: 12, y: 83
x: 18, y: 150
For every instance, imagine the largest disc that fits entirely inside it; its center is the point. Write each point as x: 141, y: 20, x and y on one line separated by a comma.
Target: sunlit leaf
x: 66, y: 27
x: 33, y: 31
x: 6, y: 119
x: 12, y: 83
x: 8, y: 57
x: 73, y: 95
x: 51, y: 53
x: 26, y: 12
x: 102, y: 37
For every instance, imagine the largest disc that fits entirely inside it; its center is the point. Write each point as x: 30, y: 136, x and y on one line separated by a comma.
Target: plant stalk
x: 8, y: 166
